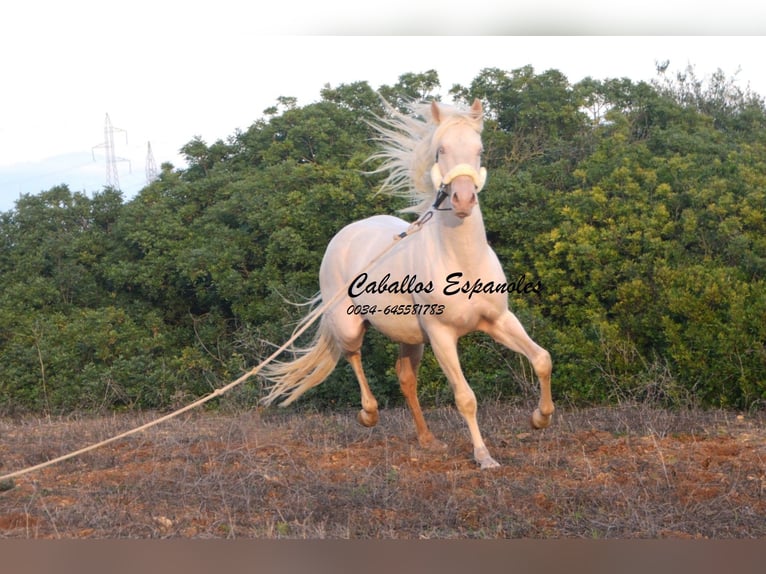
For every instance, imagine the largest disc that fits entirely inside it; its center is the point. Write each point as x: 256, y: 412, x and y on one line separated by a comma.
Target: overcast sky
x: 167, y: 71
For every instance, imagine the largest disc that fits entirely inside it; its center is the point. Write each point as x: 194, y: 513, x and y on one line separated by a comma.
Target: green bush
x: 639, y: 208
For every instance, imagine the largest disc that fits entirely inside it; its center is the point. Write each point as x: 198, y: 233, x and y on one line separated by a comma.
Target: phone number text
x: 414, y: 309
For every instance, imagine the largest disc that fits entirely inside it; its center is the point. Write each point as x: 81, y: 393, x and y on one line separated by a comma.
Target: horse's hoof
x: 489, y: 463
x: 539, y: 420
x: 367, y: 419
x: 484, y: 459
x: 433, y: 444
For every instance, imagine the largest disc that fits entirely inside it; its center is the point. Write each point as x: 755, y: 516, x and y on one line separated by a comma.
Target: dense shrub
x: 639, y: 207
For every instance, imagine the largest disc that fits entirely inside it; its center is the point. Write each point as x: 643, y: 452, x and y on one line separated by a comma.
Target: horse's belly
x: 397, y: 316
x: 402, y: 330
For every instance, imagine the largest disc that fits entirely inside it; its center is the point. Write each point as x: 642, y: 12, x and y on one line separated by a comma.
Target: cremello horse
x: 424, y: 289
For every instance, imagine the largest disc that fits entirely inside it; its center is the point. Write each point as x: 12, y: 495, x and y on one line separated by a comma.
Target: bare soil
x: 615, y: 472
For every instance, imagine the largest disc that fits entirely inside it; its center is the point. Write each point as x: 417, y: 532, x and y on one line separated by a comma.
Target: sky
x: 167, y: 71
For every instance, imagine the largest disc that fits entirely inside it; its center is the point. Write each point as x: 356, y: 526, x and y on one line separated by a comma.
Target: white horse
x: 433, y: 286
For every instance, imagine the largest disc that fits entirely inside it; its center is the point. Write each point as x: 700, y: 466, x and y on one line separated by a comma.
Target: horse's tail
x: 311, y: 365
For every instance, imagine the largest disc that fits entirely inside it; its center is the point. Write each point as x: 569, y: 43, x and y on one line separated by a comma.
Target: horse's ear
x: 476, y: 110
x: 436, y: 114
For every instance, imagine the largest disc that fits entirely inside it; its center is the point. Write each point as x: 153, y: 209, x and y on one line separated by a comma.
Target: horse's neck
x: 463, y: 242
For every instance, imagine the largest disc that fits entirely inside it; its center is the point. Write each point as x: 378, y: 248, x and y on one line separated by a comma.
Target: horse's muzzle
x: 463, y: 197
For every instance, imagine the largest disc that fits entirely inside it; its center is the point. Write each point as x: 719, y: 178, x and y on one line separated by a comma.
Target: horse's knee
x: 465, y: 401
x: 543, y: 364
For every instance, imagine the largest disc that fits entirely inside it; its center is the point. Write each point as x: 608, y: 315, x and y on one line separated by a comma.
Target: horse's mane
x: 408, y: 145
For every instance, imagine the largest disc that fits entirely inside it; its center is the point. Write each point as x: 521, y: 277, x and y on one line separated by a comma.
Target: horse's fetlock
x: 540, y: 420
x: 367, y: 418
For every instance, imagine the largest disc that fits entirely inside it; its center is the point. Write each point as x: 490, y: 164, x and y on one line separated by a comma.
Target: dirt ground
x: 628, y: 471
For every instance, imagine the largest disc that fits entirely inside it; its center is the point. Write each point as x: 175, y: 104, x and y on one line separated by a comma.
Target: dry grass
x: 619, y: 472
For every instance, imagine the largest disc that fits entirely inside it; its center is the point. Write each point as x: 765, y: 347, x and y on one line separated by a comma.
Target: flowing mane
x: 408, y: 146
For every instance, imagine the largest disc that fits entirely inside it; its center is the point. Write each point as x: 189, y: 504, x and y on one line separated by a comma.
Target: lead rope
x: 441, y: 194
x: 313, y: 316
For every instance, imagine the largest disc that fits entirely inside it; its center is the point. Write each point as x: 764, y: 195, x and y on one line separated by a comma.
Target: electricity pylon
x: 112, y: 175
x: 151, y: 165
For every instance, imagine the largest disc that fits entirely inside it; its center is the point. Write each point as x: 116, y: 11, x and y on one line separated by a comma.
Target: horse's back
x: 358, y: 242
x: 374, y: 226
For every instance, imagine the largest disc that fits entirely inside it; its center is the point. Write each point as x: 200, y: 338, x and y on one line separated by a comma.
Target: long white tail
x: 311, y: 366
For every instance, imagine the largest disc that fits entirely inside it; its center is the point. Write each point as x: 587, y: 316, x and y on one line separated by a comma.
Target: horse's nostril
x: 463, y: 200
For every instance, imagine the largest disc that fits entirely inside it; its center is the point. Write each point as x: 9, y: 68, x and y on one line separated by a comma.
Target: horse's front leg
x: 508, y: 330
x: 444, y: 345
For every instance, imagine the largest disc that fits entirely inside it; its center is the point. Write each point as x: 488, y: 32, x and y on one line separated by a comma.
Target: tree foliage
x: 638, y: 206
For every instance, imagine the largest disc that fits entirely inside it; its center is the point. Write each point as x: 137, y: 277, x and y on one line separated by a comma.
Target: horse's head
x: 457, y: 171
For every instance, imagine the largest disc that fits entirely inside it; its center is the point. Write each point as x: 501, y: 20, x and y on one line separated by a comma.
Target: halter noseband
x: 442, y: 183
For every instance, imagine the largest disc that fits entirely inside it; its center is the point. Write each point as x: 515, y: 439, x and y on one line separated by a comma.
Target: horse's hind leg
x: 368, y: 416
x: 406, y: 370
x: 349, y: 332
